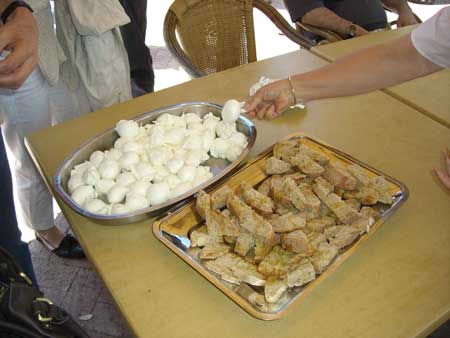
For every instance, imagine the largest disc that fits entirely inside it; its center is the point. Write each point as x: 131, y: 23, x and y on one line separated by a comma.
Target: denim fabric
x: 9, y: 230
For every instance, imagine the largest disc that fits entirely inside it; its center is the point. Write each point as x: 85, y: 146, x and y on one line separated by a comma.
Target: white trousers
x: 35, y: 105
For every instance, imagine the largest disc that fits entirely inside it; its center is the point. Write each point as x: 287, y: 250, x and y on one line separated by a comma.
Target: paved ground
x: 74, y: 284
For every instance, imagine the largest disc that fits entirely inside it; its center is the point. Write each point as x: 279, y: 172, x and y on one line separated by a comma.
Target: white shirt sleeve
x: 432, y: 38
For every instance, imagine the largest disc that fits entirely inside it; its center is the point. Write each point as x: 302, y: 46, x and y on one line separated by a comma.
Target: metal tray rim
x: 333, y: 267
x: 178, y: 201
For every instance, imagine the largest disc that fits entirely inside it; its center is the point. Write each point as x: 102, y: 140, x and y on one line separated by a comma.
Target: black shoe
x: 68, y: 248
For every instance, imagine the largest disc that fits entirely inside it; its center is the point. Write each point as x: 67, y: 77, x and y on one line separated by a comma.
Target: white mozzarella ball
x: 164, y: 119
x: 174, y: 165
x: 225, y: 129
x: 187, y: 173
x: 233, y: 152
x: 193, y: 141
x: 231, y: 111
x: 75, y: 181
x: 180, y: 153
x: 191, y: 118
x: 132, y: 147
x: 203, y: 170
x: 175, y: 136
x: 136, y: 202
x: 201, y: 178
x: 219, y: 147
x: 144, y: 171
x: 172, y: 181
x: 117, y: 193
x: 118, y: 144
x: 195, y: 157
x: 157, y: 137
x: 148, y: 128
x: 208, y: 138
x: 128, y: 159
x: 97, y: 157
x: 103, y: 185
x: 180, y: 189
x: 119, y: 208
x: 91, y: 176
x: 210, y: 121
x: 196, y: 126
x: 109, y: 169
x: 159, y: 155
x: 113, y: 154
x: 96, y: 206
x: 161, y: 172
x: 179, y: 122
x: 139, y: 187
x: 83, y: 194
x: 125, y: 179
x: 81, y: 168
x: 158, y: 193
x: 127, y: 128
x: 239, y: 139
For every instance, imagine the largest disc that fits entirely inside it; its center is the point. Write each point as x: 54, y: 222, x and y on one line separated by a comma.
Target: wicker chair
x: 218, y: 34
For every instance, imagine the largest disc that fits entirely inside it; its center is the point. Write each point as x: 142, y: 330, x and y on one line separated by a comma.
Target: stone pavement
x: 74, y: 284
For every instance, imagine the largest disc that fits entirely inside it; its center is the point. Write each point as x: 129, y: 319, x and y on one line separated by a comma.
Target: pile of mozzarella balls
x: 154, y: 163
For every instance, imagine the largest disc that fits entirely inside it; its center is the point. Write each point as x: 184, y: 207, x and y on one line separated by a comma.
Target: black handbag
x: 25, y: 312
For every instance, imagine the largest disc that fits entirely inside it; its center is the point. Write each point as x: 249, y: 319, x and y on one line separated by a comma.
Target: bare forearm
x: 366, y: 70
x: 397, y: 6
x: 324, y: 18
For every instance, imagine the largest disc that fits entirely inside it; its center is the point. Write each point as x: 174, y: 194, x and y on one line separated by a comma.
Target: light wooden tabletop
x: 429, y: 94
x: 395, y: 285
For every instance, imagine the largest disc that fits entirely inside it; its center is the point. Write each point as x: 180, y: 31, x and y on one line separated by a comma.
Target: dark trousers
x: 9, y: 229
x: 133, y: 34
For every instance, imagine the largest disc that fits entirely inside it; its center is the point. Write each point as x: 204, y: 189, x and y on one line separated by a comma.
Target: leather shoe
x: 68, y: 248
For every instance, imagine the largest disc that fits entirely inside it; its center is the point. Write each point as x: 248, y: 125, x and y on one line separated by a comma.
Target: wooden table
x: 395, y: 285
x: 429, y: 94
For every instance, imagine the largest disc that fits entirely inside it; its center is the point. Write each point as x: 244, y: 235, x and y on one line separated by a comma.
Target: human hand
x: 270, y: 100
x: 406, y: 18
x: 444, y: 174
x: 360, y: 31
x: 19, y: 36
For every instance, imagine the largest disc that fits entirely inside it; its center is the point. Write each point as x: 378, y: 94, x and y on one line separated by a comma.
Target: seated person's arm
x: 401, y: 7
x: 324, y: 18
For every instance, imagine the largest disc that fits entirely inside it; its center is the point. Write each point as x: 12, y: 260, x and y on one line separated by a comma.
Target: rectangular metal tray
x: 174, y: 229
x: 104, y: 141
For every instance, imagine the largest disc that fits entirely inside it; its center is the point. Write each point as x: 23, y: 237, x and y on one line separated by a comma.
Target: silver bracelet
x: 292, y: 89
x: 297, y: 104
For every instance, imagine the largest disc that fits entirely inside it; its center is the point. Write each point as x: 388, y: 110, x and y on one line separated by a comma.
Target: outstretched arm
x: 363, y: 71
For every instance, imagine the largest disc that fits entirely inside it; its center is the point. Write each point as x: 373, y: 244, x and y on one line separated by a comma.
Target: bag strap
x: 10, y: 270
x: 15, y: 330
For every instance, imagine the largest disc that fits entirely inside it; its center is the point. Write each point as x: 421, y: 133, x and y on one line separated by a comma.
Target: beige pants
x: 32, y: 107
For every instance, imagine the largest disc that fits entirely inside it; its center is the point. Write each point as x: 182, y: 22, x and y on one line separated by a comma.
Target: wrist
x: 9, y: 9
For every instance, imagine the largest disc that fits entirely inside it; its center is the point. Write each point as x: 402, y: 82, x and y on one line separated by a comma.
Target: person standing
x: 21, y: 31
x: 133, y: 34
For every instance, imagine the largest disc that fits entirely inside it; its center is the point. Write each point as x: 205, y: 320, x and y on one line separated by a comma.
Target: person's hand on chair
x: 406, y: 18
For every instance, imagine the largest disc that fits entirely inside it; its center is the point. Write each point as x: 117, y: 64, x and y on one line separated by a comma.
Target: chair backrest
x: 214, y: 35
